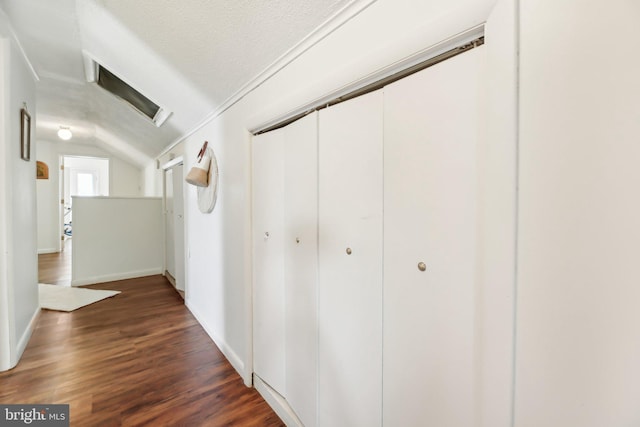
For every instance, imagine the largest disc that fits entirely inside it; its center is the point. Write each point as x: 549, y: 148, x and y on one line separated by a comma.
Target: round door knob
x: 422, y: 266
x: 266, y: 234
x: 348, y: 251
x: 297, y: 240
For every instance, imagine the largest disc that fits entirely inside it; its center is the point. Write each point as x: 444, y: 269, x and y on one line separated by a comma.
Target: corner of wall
x: 5, y: 313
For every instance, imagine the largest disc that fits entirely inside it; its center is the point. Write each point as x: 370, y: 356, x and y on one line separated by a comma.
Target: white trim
x: 222, y: 345
x: 48, y: 251
x: 117, y: 197
x: 24, y: 339
x: 92, y: 280
x: 341, y: 17
x: 278, y: 403
x: 61, y: 182
x: 173, y: 162
x: 90, y: 67
x: 249, y: 257
x: 6, y: 315
x: 378, y: 75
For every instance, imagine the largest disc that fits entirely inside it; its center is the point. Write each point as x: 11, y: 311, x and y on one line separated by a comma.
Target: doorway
x: 80, y: 176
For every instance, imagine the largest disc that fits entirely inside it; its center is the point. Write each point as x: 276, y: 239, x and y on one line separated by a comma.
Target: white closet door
x: 432, y: 127
x: 268, y: 291
x: 350, y: 285
x: 301, y: 265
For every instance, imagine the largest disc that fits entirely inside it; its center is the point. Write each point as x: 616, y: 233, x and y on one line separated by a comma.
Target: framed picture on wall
x: 25, y: 135
x: 42, y: 170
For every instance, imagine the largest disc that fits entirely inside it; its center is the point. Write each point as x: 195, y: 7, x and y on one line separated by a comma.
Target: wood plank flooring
x: 55, y: 269
x: 139, y: 358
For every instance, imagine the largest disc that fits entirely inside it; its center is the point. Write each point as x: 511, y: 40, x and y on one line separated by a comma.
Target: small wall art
x: 42, y: 170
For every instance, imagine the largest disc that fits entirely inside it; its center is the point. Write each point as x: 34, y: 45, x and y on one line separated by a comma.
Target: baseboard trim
x: 228, y: 352
x: 48, y: 251
x: 113, y: 277
x: 278, y: 403
x: 26, y: 336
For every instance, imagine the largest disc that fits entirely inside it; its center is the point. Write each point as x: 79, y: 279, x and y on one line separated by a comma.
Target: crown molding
x: 341, y: 17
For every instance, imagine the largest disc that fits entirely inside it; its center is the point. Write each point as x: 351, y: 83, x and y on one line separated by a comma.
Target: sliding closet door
x: 432, y: 126
x: 268, y: 291
x: 350, y: 275
x: 301, y: 265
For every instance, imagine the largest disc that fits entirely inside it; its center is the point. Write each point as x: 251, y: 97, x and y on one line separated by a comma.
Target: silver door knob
x: 348, y: 251
x: 266, y: 235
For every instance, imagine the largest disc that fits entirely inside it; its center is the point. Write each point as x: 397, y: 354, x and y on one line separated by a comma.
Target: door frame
x: 165, y: 167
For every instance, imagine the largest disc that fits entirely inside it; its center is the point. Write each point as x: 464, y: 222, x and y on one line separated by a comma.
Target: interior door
x: 432, y: 123
x: 350, y: 263
x: 268, y: 265
x: 178, y: 224
x: 169, y: 223
x: 301, y: 265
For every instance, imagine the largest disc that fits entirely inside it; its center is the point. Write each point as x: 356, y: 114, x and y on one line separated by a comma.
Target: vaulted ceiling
x: 188, y: 56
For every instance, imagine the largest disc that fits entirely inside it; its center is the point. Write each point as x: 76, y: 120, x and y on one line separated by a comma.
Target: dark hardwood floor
x: 55, y: 269
x: 139, y: 358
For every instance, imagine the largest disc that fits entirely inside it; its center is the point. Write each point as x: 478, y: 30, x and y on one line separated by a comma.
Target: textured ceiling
x: 187, y: 55
x: 219, y: 45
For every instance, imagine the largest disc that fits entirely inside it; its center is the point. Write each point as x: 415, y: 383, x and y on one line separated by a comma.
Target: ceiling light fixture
x: 64, y: 133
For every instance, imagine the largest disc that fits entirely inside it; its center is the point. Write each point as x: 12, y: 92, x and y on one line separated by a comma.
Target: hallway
x: 139, y: 358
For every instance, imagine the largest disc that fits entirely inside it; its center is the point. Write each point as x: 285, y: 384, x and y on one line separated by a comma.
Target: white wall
x: 116, y: 238
x: 152, y: 178
x: 578, y: 340
x: 19, y: 304
x: 219, y: 244
x: 152, y: 173
x: 48, y: 201
x: 125, y: 180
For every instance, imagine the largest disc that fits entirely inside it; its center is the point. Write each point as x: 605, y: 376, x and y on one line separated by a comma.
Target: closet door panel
x: 350, y: 259
x: 268, y: 259
x: 432, y: 127
x: 301, y: 265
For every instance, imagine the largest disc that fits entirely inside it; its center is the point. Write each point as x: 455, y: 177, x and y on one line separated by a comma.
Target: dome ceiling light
x: 64, y: 133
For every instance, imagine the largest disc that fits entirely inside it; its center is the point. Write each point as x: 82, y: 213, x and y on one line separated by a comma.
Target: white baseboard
x: 278, y: 403
x: 48, y: 251
x: 231, y: 355
x: 117, y: 276
x: 24, y: 339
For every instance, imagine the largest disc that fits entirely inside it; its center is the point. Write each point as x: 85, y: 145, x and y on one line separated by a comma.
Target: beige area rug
x: 65, y: 298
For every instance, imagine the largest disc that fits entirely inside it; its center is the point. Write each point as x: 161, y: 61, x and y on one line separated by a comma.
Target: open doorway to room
x: 79, y: 176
